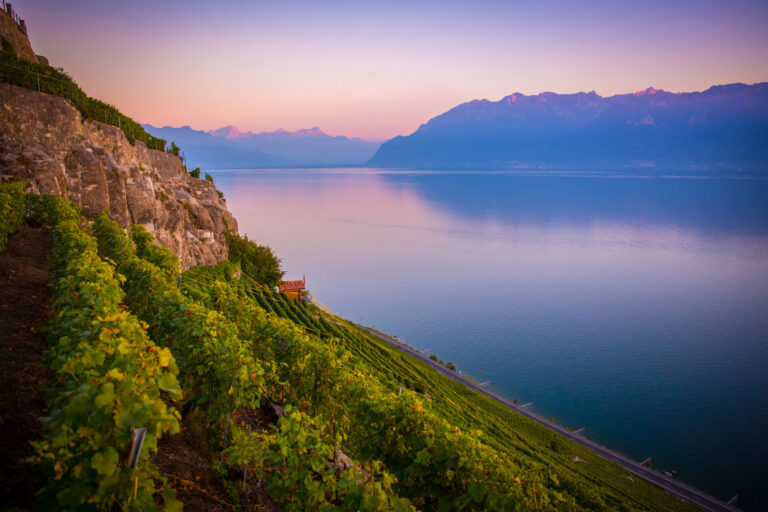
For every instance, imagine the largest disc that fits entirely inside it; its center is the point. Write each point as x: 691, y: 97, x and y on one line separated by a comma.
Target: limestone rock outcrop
x: 15, y: 32
x: 44, y: 141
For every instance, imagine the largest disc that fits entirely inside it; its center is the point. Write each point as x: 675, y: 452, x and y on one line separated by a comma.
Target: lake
x: 634, y: 307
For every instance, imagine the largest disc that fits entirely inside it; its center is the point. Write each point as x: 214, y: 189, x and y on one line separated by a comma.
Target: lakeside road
x: 678, y: 489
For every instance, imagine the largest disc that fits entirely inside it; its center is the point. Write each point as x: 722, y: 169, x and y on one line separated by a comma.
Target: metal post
x: 137, y: 442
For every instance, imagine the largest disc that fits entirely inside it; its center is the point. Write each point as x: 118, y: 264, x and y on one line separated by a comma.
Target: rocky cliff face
x: 16, y: 34
x: 44, y: 141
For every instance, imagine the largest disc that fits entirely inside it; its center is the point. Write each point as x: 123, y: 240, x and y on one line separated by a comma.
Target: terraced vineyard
x: 361, y: 425
x: 595, y: 482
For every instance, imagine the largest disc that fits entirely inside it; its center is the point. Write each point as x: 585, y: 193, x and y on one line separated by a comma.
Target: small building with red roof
x: 293, y: 289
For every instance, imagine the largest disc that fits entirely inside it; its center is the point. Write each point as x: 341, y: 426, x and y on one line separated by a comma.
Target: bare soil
x: 188, y: 463
x: 25, y: 308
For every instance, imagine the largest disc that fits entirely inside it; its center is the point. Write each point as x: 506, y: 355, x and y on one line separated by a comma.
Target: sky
x: 377, y: 69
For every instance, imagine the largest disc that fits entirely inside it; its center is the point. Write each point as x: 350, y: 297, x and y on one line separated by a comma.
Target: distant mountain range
x: 722, y: 129
x: 230, y: 148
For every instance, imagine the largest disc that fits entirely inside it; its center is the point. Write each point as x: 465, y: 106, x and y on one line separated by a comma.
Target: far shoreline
x: 363, y: 170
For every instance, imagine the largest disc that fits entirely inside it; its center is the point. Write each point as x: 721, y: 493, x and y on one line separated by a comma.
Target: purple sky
x: 379, y: 69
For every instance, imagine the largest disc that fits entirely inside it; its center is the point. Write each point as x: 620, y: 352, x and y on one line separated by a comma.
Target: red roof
x: 292, y: 285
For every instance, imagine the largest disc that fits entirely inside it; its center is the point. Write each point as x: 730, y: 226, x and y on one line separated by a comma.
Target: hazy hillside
x: 228, y: 147
x: 210, y: 152
x: 724, y: 128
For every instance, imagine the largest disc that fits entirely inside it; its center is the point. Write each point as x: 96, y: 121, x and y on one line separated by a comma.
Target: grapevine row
x: 302, y: 470
x: 11, y: 209
x: 109, y: 380
x: 436, y: 465
x: 319, y: 487
x: 218, y: 369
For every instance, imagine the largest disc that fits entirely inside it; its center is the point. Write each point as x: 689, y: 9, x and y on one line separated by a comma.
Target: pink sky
x: 376, y: 70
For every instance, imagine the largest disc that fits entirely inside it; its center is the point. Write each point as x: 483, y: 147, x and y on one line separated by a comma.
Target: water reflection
x: 730, y: 205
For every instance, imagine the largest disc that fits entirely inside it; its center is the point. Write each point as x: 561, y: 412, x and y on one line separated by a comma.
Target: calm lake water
x: 634, y: 307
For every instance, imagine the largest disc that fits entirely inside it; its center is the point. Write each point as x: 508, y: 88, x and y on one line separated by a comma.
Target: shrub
x: 35, y: 209
x: 11, y: 209
x: 161, y: 257
x: 173, y: 149
x: 257, y: 261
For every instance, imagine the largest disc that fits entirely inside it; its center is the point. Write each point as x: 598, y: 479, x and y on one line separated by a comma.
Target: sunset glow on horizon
x: 375, y: 70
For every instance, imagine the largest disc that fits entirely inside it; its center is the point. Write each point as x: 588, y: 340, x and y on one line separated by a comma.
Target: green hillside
x: 541, y: 455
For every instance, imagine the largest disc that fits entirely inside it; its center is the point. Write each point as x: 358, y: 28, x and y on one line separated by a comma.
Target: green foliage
x: 8, y: 46
x: 36, y: 208
x: 112, y: 240
x: 442, y: 467
x: 208, y: 177
x: 110, y: 379
x: 218, y: 369
x: 195, y: 173
x: 195, y: 282
x: 436, y: 465
x: 59, y: 210
x: 173, y: 149
x: 456, y: 450
x: 23, y: 73
x: 11, y: 209
x: 451, y: 450
x: 162, y: 258
x: 257, y: 261
x: 300, y: 470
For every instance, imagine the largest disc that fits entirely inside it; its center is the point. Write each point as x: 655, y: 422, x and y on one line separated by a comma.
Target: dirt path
x: 188, y: 464
x: 185, y: 460
x: 24, y: 312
